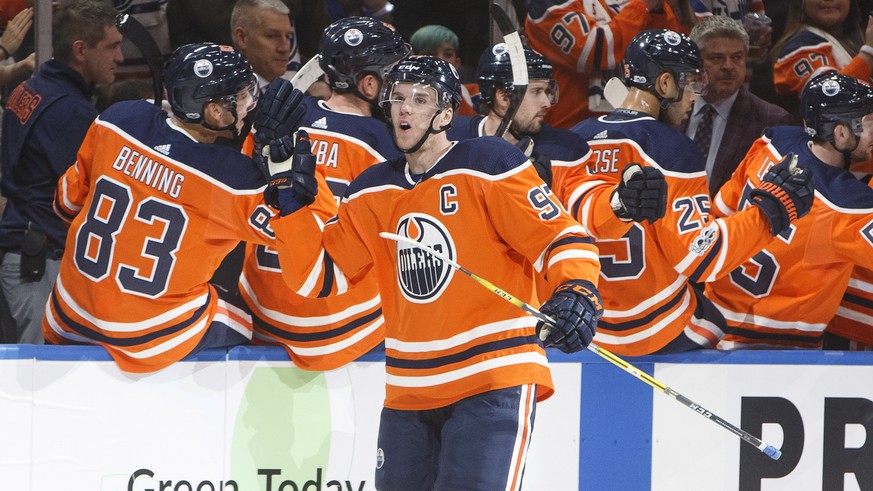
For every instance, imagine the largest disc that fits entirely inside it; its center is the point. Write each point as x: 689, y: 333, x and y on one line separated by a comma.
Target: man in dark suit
x: 728, y: 118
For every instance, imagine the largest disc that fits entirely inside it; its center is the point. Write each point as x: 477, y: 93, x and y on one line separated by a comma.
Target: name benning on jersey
x: 149, y: 172
x: 421, y: 276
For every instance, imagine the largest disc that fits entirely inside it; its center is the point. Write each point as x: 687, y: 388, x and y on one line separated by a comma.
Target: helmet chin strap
x: 430, y: 131
x: 847, y: 152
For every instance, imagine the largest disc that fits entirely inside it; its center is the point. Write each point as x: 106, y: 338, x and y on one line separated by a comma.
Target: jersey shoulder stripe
x: 670, y: 149
x: 802, y: 40
x: 464, y: 127
x: 147, y: 126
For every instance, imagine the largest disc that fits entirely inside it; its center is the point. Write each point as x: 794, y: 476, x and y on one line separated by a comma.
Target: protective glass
x: 415, y: 98
x: 696, y: 81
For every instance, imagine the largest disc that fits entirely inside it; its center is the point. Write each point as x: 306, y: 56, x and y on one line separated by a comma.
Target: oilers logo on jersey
x: 423, y: 277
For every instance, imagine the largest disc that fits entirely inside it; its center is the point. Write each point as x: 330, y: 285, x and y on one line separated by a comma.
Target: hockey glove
x: 542, y: 163
x: 291, y: 167
x: 784, y: 194
x: 641, y: 194
x: 576, y: 308
x: 279, y: 112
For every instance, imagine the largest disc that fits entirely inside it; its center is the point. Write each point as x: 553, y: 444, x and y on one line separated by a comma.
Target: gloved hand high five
x: 784, y: 194
x: 279, y: 112
x: 576, y: 307
x: 291, y: 170
x: 641, y: 194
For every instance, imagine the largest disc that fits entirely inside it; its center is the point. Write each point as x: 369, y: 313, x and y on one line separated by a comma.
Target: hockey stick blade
x: 768, y: 450
x: 308, y: 74
x: 518, y: 62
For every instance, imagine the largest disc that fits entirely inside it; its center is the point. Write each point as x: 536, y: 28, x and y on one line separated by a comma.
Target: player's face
x: 537, y: 101
x: 826, y: 13
x: 413, y: 107
x: 864, y: 151
x: 268, y: 44
x: 691, y: 84
x: 724, y: 60
x: 102, y: 58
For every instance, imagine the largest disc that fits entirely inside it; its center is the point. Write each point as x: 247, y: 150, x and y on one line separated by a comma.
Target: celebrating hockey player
x: 544, y: 145
x: 786, y: 294
x: 326, y: 332
x: 154, y: 206
x: 650, y: 250
x: 464, y: 367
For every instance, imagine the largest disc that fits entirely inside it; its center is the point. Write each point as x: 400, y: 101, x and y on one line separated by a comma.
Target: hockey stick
x: 308, y: 74
x: 132, y: 30
x: 768, y: 450
x: 518, y: 62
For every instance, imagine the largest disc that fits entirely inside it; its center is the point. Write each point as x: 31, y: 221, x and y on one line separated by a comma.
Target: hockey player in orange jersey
x: 586, y: 41
x: 643, y: 195
x: 323, y: 333
x: 786, y: 295
x: 464, y: 367
x: 154, y: 206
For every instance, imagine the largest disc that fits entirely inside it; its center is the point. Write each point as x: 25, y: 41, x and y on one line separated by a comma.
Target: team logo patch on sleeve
x: 704, y: 240
x: 421, y: 276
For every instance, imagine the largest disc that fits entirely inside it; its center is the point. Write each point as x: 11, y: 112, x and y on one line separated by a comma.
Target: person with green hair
x: 441, y: 42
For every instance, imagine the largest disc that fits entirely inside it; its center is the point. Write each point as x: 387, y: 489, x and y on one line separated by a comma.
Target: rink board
x: 247, y: 419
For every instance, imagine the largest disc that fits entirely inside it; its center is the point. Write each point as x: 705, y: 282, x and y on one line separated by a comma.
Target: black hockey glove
x: 784, y: 194
x: 291, y: 184
x: 279, y: 112
x: 641, y: 194
x: 541, y: 163
x: 576, y: 308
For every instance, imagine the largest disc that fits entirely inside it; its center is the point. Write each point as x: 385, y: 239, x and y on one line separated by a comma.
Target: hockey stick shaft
x: 518, y: 62
x: 139, y: 36
x: 768, y: 450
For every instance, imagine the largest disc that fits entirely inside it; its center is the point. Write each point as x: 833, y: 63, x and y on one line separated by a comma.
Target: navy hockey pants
x: 476, y: 444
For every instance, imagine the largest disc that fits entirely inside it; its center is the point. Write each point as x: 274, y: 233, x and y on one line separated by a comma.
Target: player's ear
x: 212, y: 112
x: 666, y: 85
x: 239, y: 37
x: 369, y: 86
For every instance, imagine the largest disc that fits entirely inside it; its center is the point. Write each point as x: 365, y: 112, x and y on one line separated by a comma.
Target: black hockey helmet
x: 426, y: 70
x: 832, y: 98
x: 495, y: 71
x: 200, y: 73
x: 656, y: 51
x: 355, y: 45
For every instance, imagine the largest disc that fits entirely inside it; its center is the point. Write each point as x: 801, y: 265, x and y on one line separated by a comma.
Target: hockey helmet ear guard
x: 831, y: 99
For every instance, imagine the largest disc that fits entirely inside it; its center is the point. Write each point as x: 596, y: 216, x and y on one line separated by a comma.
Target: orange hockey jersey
x: 854, y: 317
x: 324, y: 332
x: 585, y: 40
x: 153, y: 212
x: 483, y: 205
x: 647, y: 267
x: 786, y: 294
x: 812, y: 52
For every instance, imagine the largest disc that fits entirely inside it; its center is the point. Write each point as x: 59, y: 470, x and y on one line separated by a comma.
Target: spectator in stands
x: 821, y: 36
x: 44, y: 123
x: 727, y: 119
x: 12, y: 37
x: 585, y: 41
x: 442, y: 42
